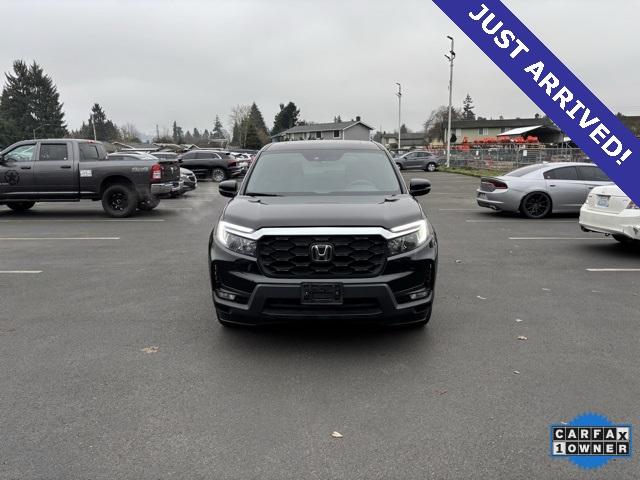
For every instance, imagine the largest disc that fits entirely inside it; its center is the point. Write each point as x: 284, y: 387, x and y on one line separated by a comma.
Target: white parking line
x: 56, y: 238
x: 613, y: 269
x: 458, y: 210
x: 18, y: 272
x: 520, y: 220
x: 557, y: 238
x: 87, y: 220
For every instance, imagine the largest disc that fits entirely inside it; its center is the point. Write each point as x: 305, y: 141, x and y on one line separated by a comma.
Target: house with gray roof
x: 353, y: 130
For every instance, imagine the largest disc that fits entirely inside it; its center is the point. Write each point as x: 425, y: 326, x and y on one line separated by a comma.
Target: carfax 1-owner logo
x: 590, y: 440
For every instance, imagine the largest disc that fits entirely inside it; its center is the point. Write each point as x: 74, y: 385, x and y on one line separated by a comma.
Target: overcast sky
x: 152, y: 62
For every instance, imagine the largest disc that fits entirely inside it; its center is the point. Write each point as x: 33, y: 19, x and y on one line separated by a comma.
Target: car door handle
x: 65, y: 166
x: 25, y: 168
x: 552, y: 185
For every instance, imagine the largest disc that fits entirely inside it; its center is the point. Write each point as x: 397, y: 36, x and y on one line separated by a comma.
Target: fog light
x: 418, y: 295
x: 226, y: 295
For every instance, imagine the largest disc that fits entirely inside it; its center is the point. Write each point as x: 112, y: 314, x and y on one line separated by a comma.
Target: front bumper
x: 626, y: 223
x: 383, y: 299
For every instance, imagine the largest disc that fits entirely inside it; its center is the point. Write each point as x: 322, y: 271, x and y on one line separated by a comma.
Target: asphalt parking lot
x: 114, y: 365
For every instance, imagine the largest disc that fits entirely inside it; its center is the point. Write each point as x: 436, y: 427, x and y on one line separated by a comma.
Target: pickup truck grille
x: 352, y: 256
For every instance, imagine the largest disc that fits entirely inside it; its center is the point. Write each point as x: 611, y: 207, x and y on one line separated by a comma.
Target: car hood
x: 297, y: 211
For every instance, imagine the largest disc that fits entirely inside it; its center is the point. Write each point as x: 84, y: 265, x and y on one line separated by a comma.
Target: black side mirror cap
x: 419, y: 186
x: 228, y: 188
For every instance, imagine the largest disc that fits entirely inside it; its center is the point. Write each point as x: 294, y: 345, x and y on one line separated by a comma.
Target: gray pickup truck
x: 66, y: 170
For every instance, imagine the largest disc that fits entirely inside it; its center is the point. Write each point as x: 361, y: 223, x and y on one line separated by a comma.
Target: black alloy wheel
x: 536, y: 205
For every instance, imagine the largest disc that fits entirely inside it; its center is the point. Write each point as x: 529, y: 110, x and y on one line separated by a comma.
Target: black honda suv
x: 323, y: 231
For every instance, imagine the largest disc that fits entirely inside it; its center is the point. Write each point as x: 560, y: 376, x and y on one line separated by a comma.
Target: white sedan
x: 608, y: 210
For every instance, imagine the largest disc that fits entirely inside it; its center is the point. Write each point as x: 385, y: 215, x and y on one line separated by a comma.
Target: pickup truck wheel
x: 119, y: 201
x: 20, y: 206
x: 218, y: 175
x: 149, y: 204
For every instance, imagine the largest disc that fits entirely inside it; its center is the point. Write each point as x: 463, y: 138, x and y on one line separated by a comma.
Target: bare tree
x: 240, y: 117
x: 130, y: 133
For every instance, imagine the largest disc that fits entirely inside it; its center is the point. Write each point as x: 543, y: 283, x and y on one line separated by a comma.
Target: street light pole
x: 399, y: 94
x: 450, y: 57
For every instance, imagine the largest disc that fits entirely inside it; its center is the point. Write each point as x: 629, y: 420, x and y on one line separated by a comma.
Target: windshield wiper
x: 260, y: 194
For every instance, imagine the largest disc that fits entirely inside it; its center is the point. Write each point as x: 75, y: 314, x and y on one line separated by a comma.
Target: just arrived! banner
x: 551, y: 86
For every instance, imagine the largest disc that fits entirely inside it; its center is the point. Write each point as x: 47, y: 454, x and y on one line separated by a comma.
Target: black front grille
x: 353, y: 256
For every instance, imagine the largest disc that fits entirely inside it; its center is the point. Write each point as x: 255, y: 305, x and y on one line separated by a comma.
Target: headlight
x: 231, y: 237
x: 417, y: 236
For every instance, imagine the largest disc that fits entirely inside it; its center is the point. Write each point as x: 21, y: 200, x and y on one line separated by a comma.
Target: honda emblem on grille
x: 321, y: 252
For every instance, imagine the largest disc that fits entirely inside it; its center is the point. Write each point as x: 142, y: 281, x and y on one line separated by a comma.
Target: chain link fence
x: 502, y: 158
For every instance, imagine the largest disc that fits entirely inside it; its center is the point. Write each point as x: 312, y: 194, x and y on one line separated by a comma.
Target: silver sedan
x: 540, y: 189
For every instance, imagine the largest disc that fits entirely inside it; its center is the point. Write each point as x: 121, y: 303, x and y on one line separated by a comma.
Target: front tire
x: 536, y: 205
x: 218, y: 175
x: 20, y: 206
x: 119, y: 201
x: 431, y: 167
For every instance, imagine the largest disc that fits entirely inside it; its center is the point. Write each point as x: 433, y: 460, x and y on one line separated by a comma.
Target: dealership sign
x: 551, y: 86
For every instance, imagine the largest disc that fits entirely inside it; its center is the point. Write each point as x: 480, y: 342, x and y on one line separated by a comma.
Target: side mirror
x: 228, y: 188
x: 419, y: 186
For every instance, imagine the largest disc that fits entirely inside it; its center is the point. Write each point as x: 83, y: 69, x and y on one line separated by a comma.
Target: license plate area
x: 321, y: 294
x: 603, y: 201
x: 482, y: 195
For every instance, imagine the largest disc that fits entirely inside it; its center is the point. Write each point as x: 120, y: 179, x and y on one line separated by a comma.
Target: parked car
x: 189, y: 180
x: 71, y: 170
x: 610, y: 211
x: 212, y: 164
x: 170, y: 164
x: 540, y: 189
x: 418, y: 160
x: 338, y: 237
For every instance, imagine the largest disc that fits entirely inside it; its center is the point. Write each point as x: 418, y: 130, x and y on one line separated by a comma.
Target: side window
x: 88, y: 152
x: 53, y: 151
x: 201, y: 155
x: 23, y: 153
x: 562, y: 173
x: 189, y: 156
x: 593, y: 174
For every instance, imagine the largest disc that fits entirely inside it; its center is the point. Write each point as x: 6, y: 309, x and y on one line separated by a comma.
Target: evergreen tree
x: 256, y: 122
x: 235, y: 138
x: 286, y: 118
x: 196, y: 136
x: 177, y: 135
x: 188, y: 138
x: 252, y: 140
x: 30, y: 102
x: 467, y: 108
x: 218, y: 130
x: 106, y: 130
x: 8, y: 132
x: 206, y: 135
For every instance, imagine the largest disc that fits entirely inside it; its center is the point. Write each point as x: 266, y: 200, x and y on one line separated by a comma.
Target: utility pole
x: 399, y: 94
x: 450, y: 57
x: 93, y: 123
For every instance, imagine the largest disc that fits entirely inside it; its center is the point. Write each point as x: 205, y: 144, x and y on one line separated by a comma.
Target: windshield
x: 521, y: 172
x: 323, y: 172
